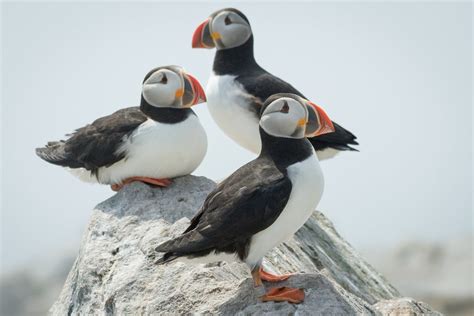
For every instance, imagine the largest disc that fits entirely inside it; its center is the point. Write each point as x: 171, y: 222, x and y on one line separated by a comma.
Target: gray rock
x: 403, y: 307
x: 115, y: 274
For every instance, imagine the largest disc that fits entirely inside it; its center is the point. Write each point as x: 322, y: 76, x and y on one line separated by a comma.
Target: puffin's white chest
x: 158, y: 150
x: 308, y: 184
x: 228, y: 103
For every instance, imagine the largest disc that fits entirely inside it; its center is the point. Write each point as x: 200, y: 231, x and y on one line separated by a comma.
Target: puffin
x: 238, y: 86
x: 159, y: 140
x: 264, y: 202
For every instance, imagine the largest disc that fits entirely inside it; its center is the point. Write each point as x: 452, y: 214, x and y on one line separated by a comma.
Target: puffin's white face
x: 172, y: 88
x: 223, y: 30
x: 291, y: 116
x: 162, y: 88
x: 229, y: 30
x: 285, y: 117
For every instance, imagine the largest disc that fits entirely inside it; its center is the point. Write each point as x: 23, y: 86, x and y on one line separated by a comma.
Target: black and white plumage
x: 238, y: 85
x: 267, y: 200
x: 162, y: 138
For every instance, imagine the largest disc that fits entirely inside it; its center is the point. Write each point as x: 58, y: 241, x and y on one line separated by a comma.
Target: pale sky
x: 397, y: 75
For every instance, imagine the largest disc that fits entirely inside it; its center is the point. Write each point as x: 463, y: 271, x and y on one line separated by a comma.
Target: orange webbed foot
x: 116, y: 187
x: 284, y: 294
x: 153, y: 181
x: 266, y: 276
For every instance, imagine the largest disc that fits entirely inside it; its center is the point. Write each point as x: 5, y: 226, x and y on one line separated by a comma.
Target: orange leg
x: 257, y: 281
x: 266, y: 276
x: 157, y: 182
x: 280, y: 294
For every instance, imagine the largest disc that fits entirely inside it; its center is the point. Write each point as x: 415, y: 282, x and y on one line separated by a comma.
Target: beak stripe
x: 197, y: 36
x: 199, y: 94
x: 202, y: 37
x: 325, y: 124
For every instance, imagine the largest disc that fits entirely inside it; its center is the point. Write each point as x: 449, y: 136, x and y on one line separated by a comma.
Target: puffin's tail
x: 54, y: 153
x: 168, y: 255
x: 190, y: 243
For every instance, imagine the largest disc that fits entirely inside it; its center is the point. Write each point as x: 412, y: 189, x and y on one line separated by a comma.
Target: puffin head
x: 171, y: 87
x: 226, y: 28
x: 290, y: 116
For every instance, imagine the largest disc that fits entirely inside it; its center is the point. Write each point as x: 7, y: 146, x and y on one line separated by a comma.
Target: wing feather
x: 94, y: 145
x: 247, y: 202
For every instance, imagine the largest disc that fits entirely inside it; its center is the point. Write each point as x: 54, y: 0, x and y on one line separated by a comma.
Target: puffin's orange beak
x: 199, y: 95
x: 202, y: 37
x: 319, y: 122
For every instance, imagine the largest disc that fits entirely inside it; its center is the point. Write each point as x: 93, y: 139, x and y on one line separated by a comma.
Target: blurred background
x: 398, y: 75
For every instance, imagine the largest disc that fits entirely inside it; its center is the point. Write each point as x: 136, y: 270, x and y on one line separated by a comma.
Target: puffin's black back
x: 94, y: 145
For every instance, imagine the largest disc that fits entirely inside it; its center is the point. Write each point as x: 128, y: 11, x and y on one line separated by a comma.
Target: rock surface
x: 114, y: 273
x: 403, y: 306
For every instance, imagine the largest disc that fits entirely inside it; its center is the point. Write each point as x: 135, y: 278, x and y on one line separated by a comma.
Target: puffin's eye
x: 285, y: 108
x: 164, y: 79
x: 227, y: 20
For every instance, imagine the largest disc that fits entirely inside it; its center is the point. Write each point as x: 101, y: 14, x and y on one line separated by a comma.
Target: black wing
x: 247, y: 202
x: 262, y: 85
x: 94, y: 145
